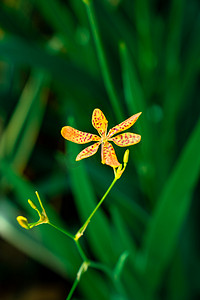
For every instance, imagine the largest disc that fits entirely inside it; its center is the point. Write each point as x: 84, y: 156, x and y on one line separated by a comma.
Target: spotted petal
x: 99, y: 122
x: 126, y: 139
x: 124, y: 125
x: 108, y: 155
x: 87, y: 152
x: 79, y: 137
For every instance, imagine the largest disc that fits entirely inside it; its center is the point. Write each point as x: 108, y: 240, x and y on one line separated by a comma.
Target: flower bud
x: 32, y: 204
x: 23, y: 222
x: 126, y: 156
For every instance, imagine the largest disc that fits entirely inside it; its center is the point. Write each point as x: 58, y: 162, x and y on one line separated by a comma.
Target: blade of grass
x: 95, y: 285
x: 126, y: 241
x: 167, y: 219
x: 143, y: 19
x: 83, y: 38
x: 134, y: 96
x: 60, y: 18
x: 54, y: 184
x: 178, y: 283
x: 172, y: 59
x: 172, y: 95
x: 25, y: 122
x: 19, y: 51
x: 116, y: 26
x: 14, y: 128
x: 181, y: 78
x: 135, y: 101
x: 17, y: 23
x: 192, y: 64
x: 117, y: 108
x: 32, y: 126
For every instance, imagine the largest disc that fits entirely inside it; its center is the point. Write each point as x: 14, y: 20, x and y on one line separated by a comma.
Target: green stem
x: 62, y: 230
x: 40, y: 201
x: 83, y: 268
x: 80, y: 250
x: 102, y: 60
x: 101, y: 201
x: 82, y: 229
x: 72, y: 289
x: 82, y: 254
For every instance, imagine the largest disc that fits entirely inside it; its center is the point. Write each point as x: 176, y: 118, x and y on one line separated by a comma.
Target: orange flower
x: 100, y: 123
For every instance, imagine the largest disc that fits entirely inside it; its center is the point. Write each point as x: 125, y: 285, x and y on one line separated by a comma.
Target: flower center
x: 104, y: 139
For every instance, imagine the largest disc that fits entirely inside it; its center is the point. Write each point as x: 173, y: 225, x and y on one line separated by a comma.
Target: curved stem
x: 62, y: 230
x: 83, y: 268
x: 101, y: 201
x: 81, y: 252
x: 82, y: 229
x: 72, y: 289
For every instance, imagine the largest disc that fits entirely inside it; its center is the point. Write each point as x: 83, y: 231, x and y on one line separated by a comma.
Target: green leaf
x: 126, y: 241
x: 64, y: 24
x: 135, y: 101
x: 170, y: 212
x: 120, y: 264
x: 20, y: 51
x: 178, y: 283
x: 114, y: 99
x: 19, y: 137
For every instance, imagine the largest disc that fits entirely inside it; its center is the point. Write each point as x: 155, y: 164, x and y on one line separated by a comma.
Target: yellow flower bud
x: 23, y: 222
x: 32, y: 204
x: 126, y: 156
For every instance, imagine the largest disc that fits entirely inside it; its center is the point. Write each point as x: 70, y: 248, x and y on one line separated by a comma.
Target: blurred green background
x: 53, y: 73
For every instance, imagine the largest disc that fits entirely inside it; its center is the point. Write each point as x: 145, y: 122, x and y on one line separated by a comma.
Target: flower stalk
x: 118, y: 173
x: 110, y: 159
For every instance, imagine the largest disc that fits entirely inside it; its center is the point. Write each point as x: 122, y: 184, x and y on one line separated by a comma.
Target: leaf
x: 20, y: 51
x: 19, y: 137
x: 120, y: 264
x: 126, y: 240
x: 170, y: 212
